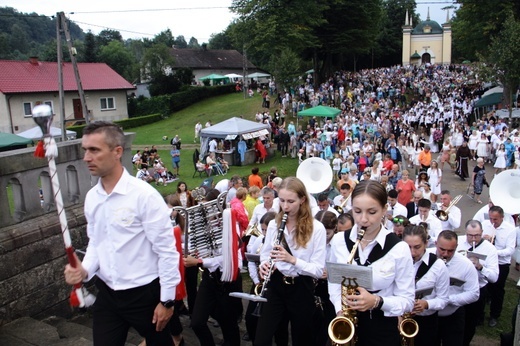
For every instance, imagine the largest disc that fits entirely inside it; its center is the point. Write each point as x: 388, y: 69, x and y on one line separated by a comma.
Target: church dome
x: 427, y: 27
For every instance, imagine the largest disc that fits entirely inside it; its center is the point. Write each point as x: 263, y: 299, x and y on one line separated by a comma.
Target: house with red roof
x: 25, y: 84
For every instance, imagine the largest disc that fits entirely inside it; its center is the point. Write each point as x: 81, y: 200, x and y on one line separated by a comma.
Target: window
x: 27, y: 109
x: 107, y: 103
x: 49, y: 103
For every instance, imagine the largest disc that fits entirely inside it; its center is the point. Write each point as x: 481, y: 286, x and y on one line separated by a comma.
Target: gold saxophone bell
x: 444, y: 214
x: 342, y: 329
x: 408, y: 328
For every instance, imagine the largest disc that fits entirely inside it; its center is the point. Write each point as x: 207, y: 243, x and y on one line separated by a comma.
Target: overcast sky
x: 135, y: 19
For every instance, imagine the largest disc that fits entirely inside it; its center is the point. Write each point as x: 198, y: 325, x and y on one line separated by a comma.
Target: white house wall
x: 12, y: 109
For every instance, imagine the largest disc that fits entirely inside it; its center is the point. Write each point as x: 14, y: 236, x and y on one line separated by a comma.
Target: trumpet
x: 444, y: 214
x: 341, y: 208
x: 342, y: 329
x: 408, y: 328
x: 261, y: 288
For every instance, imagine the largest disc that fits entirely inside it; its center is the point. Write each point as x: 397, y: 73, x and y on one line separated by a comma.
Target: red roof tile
x: 24, y: 77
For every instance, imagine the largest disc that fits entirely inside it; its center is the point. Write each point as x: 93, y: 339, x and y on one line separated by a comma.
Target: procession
x: 365, y: 244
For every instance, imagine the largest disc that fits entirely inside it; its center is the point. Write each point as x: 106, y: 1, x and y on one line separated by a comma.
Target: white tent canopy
x: 258, y: 75
x: 497, y: 89
x: 233, y: 75
x: 232, y: 126
x: 36, y: 133
x: 239, y: 127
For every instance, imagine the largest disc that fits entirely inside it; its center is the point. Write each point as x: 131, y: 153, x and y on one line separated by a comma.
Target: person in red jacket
x: 261, y: 153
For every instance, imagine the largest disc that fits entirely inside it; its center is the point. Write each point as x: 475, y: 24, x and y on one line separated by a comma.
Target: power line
x: 153, y: 10
x: 121, y: 30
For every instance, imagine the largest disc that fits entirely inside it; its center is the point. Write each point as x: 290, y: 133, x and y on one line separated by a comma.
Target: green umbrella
x: 320, y: 111
x: 213, y: 76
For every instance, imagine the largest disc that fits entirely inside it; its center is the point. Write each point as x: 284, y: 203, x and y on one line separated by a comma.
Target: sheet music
x: 251, y: 257
x: 477, y: 255
x: 456, y: 282
x: 419, y: 294
x: 337, y: 272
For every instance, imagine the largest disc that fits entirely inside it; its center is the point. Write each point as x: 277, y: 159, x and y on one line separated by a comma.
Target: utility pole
x: 244, y: 71
x: 72, y: 53
x: 60, y: 79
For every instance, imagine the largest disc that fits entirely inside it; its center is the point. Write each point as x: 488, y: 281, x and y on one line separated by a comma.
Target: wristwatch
x: 168, y: 304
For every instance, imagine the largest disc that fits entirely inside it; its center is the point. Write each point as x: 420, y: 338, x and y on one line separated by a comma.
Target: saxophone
x: 342, y: 329
x: 408, y: 328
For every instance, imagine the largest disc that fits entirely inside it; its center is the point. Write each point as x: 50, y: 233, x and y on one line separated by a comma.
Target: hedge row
x: 125, y: 123
x: 167, y: 104
x: 162, y: 106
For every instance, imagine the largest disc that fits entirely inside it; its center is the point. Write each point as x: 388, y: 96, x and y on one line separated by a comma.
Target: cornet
x: 341, y: 208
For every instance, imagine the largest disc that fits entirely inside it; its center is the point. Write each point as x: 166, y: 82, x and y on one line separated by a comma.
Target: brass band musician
x: 393, y: 288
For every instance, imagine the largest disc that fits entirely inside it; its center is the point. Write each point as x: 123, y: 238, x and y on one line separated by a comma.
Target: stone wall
x: 32, y: 256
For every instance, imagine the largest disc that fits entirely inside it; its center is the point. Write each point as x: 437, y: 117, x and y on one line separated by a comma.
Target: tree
x: 19, y: 40
x: 502, y: 59
x: 106, y: 36
x: 180, y: 42
x: 164, y: 37
x: 91, y: 50
x: 476, y: 22
x: 115, y: 55
x: 220, y: 41
x: 193, y: 43
x: 285, y: 67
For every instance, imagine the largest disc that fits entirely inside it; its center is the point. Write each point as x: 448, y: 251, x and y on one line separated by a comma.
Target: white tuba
x: 315, y: 173
x: 504, y: 191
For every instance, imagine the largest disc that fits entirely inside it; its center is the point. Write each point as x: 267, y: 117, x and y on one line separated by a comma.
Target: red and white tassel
x: 229, y: 246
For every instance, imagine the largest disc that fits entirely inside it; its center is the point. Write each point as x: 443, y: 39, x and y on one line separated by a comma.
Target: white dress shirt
x: 315, y: 210
x: 310, y: 260
x: 438, y: 278
x: 259, y: 211
x: 131, y: 241
x: 489, y: 271
x: 483, y: 214
x: 397, y: 209
x: 393, y: 274
x: 454, y: 218
x: 434, y: 225
x: 253, y: 266
x: 505, y: 239
x: 459, y: 267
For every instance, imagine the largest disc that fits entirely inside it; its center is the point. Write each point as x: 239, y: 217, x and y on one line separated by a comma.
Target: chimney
x: 33, y: 60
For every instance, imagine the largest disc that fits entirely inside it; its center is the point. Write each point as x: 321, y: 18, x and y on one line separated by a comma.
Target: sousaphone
x: 504, y: 191
x: 315, y: 173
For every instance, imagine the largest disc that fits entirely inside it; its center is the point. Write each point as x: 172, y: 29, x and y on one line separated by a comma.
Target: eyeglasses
x: 398, y: 220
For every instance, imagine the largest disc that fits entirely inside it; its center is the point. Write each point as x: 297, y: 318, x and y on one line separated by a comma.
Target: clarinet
x: 271, y: 264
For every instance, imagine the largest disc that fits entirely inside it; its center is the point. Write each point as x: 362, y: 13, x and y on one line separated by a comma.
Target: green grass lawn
x: 182, y: 123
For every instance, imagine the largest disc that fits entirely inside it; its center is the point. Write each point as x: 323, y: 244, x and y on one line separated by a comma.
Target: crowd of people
x: 388, y: 147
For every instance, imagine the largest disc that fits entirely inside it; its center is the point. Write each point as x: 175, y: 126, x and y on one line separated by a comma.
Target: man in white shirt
x: 425, y: 216
x: 260, y: 210
x: 236, y: 182
x: 212, y: 146
x: 484, y: 257
x: 342, y: 200
x: 483, y: 214
x: 503, y: 236
x: 323, y: 204
x: 454, y: 214
x: 464, y: 289
x: 131, y: 246
x: 394, y: 208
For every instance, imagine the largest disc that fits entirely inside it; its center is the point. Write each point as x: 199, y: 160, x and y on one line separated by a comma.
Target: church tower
x: 407, y: 37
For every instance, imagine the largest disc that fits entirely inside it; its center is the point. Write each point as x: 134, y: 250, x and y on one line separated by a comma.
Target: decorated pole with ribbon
x: 42, y: 116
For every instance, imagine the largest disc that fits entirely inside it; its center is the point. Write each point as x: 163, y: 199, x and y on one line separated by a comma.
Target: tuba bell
x: 315, y: 173
x: 504, y: 191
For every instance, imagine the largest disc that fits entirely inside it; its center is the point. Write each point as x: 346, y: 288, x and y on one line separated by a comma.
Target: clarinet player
x: 393, y: 288
x: 298, y: 260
